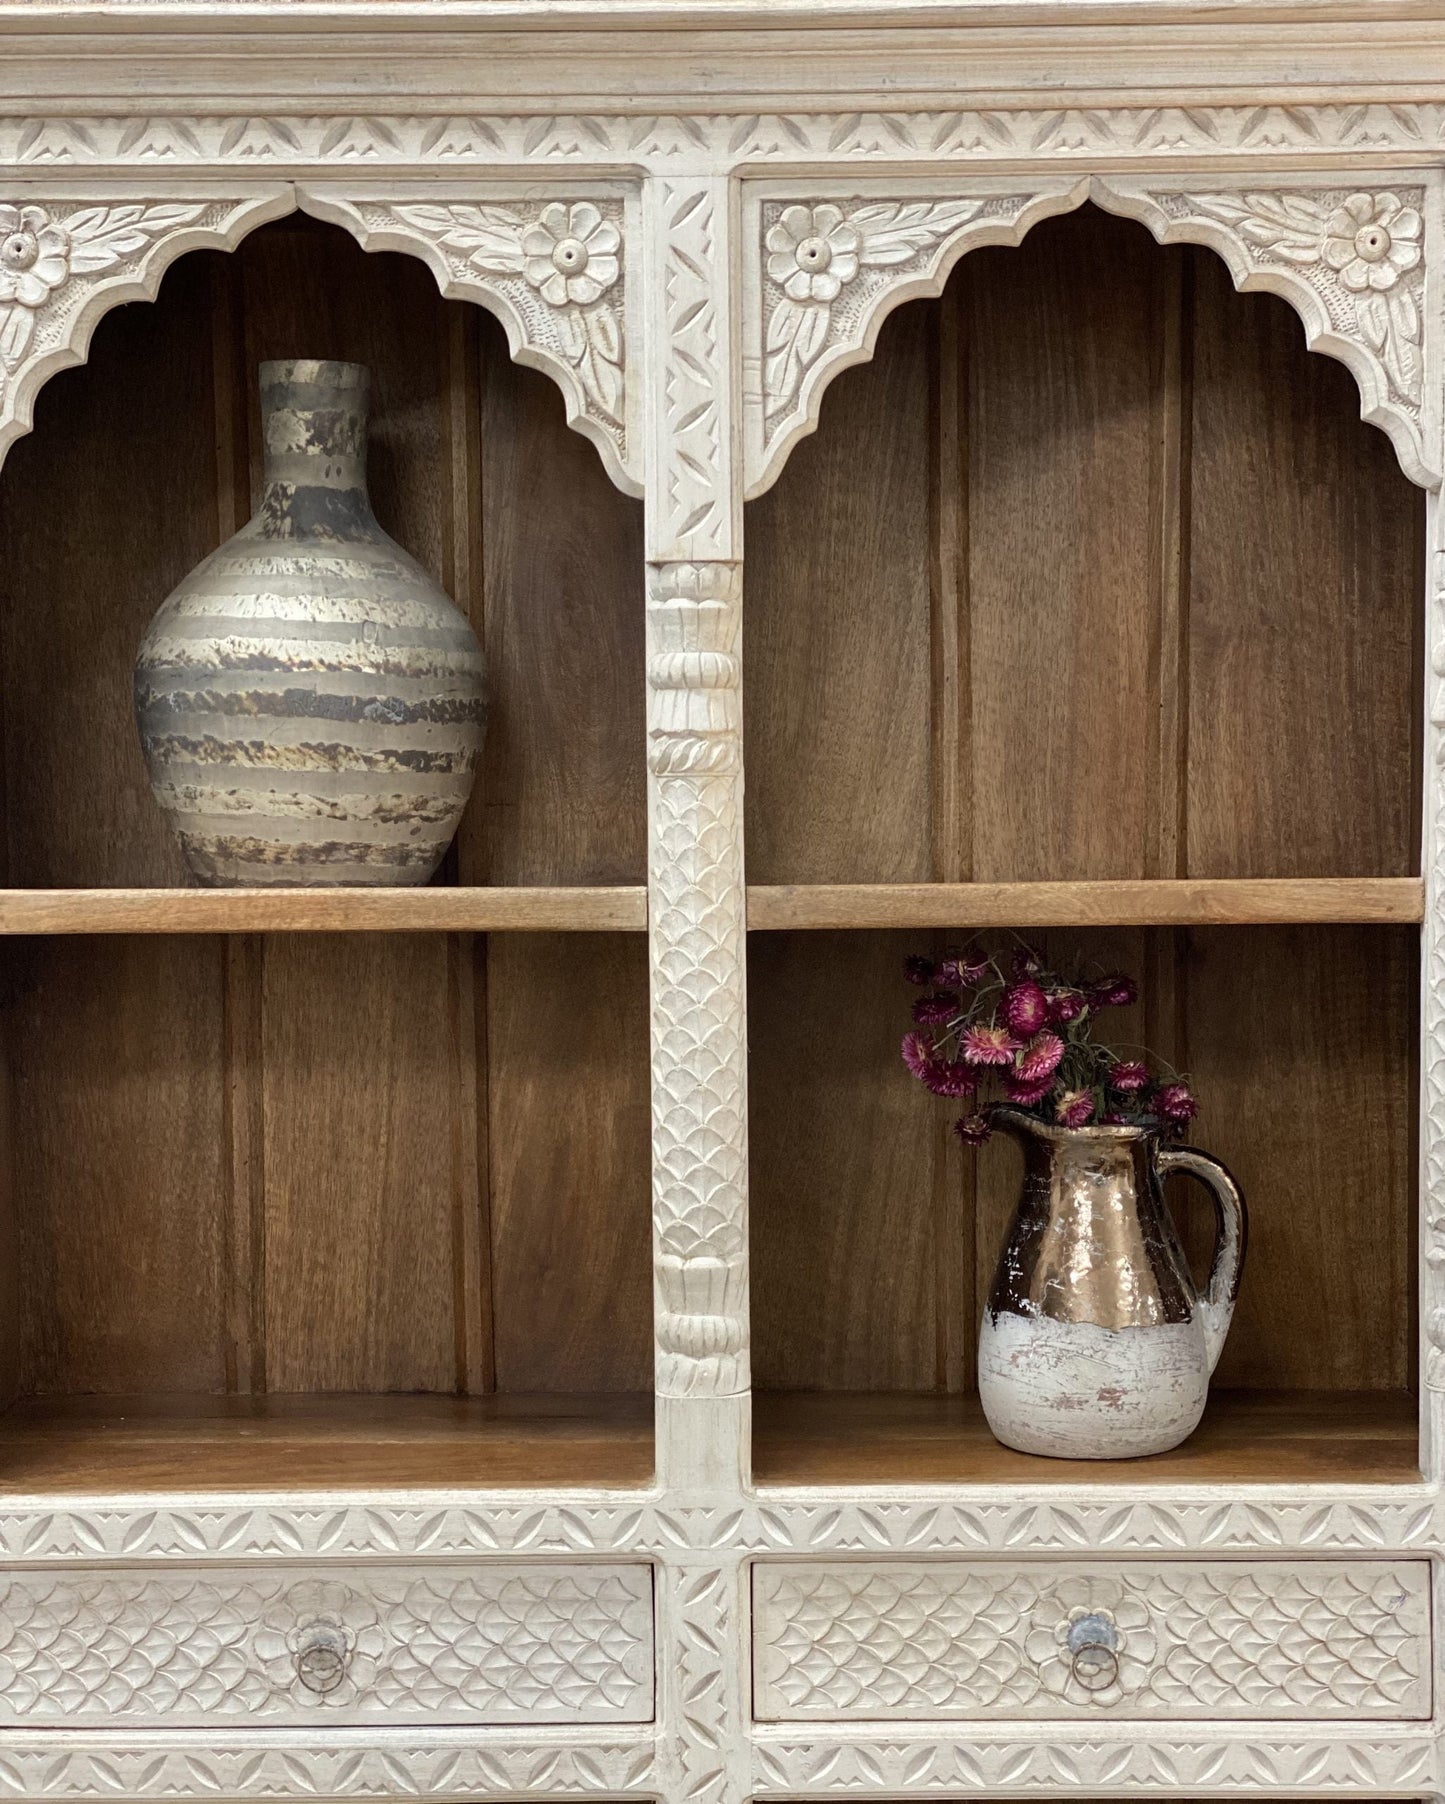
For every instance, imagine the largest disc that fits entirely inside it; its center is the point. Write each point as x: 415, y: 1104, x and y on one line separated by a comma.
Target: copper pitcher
x: 1096, y: 1343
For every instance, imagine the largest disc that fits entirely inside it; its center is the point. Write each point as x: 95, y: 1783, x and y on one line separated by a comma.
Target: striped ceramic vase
x: 311, y: 705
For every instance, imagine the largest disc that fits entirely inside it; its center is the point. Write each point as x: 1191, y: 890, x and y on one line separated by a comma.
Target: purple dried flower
x: 917, y: 1053
x: 1040, y: 1058
x: 1074, y: 1108
x: 1026, y: 962
x: 932, y: 1011
x: 988, y: 1045
x: 1114, y: 992
x: 951, y: 1077
x: 961, y: 972
x: 1066, y: 1006
x: 1025, y: 1008
x: 1175, y: 1104
x: 1129, y: 1076
x: 918, y: 970
x: 973, y: 1129
x: 1025, y: 1093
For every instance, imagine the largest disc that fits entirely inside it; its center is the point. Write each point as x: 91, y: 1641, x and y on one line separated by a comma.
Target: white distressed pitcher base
x: 1073, y: 1390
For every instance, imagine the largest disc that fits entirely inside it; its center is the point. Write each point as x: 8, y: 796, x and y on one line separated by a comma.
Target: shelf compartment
x: 1165, y: 902
x: 618, y: 908
x: 1246, y: 1437
x: 203, y: 1443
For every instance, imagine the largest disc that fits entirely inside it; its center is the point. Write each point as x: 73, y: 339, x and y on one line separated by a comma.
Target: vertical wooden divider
x: 951, y: 802
x: 463, y: 554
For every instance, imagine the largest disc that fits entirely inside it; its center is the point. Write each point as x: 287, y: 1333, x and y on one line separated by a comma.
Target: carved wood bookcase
x: 781, y: 178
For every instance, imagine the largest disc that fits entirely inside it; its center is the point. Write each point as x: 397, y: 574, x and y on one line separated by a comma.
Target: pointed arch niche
x: 1093, y: 572
x: 336, y: 1163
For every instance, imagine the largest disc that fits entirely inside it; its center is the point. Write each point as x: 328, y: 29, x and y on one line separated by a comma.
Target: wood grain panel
x: 1306, y: 548
x: 1301, y: 1045
x: 118, y: 1162
x: 563, y: 779
x: 570, y: 1162
x: 103, y: 509
x: 1064, y: 339
x: 845, y: 1153
x: 359, y: 1103
x: 836, y: 701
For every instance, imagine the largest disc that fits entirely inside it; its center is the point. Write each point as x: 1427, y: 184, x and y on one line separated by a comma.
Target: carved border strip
x: 443, y: 1765
x: 828, y: 265
x: 996, y: 1523
x: 740, y: 140
x: 1304, y: 1763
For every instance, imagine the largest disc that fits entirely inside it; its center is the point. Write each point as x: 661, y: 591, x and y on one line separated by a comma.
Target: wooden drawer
x: 895, y: 1641
x: 443, y: 1644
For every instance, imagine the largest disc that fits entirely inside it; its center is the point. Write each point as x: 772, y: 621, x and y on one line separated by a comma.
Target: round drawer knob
x: 1094, y: 1645
x: 321, y: 1659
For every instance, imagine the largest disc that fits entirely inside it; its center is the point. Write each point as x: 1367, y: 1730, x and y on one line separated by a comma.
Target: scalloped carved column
x: 694, y: 633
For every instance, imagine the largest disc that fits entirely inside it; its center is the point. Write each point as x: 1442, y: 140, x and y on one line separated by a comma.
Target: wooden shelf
x: 440, y: 910
x: 1167, y: 902
x: 1246, y: 1437
x: 161, y: 1443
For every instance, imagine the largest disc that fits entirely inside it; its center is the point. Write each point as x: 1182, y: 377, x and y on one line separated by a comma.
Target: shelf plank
x: 1168, y: 902
x: 1246, y: 1437
x: 617, y: 909
x: 171, y: 1442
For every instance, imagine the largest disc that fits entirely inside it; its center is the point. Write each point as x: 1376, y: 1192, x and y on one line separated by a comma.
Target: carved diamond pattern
x: 486, y: 1645
x: 907, y: 1642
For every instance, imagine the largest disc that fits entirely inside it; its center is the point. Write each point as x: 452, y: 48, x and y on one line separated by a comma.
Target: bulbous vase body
x: 1096, y: 1343
x: 311, y: 705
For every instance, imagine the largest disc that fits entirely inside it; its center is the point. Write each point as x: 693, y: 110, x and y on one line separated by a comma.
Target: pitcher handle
x: 1216, y: 1306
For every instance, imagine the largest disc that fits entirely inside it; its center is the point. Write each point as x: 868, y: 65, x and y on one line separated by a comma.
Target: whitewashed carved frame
x: 666, y: 369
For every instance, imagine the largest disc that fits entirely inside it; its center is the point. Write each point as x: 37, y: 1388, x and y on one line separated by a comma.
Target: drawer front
x: 895, y: 1642
x: 496, y: 1644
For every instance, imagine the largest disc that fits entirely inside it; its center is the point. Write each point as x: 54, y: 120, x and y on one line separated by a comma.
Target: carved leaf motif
x: 1290, y: 225
x: 893, y: 232
x: 17, y: 328
x: 797, y: 332
x: 490, y: 238
x: 101, y: 236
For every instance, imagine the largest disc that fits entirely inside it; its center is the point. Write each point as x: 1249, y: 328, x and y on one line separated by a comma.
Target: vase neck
x: 313, y: 417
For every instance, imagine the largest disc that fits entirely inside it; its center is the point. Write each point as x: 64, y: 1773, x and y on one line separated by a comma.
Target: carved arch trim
x: 64, y: 263
x: 1354, y: 259
x: 551, y: 265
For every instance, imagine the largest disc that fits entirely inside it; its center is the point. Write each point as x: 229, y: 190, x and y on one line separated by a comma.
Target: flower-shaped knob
x: 321, y: 1656
x: 1093, y: 1644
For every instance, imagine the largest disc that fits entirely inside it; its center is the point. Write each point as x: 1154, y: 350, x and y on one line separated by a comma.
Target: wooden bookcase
x: 515, y: 1338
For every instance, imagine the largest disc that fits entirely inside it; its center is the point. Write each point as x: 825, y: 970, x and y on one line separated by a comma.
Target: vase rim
x: 322, y: 371
x: 1056, y: 1130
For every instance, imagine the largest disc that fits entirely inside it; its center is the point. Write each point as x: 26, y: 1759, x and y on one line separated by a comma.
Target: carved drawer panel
x: 457, y: 1644
x: 895, y: 1641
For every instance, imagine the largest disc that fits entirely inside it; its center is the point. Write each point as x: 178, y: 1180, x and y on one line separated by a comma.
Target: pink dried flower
x: 1074, y: 1108
x: 1066, y: 1006
x: 973, y: 1129
x: 951, y: 1077
x: 1129, y: 1076
x: 1114, y: 1119
x: 918, y: 970
x: 917, y: 1053
x: 931, y: 1011
x: 988, y: 1045
x: 1026, y: 962
x: 1025, y: 1008
x: 1114, y: 992
x: 1040, y: 1058
x: 1027, y: 1095
x: 960, y: 973
x: 1175, y: 1103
